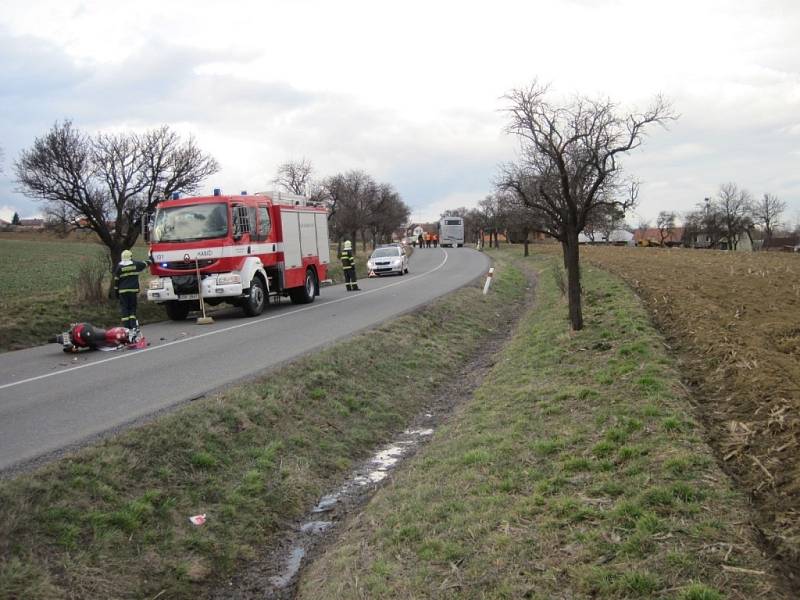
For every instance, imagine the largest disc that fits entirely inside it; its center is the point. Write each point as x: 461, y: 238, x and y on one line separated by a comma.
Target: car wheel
x: 254, y: 304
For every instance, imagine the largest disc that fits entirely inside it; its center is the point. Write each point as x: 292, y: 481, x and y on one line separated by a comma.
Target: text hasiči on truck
x: 246, y: 249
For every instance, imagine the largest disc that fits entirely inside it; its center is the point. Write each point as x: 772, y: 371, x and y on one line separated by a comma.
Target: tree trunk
x: 496, y: 239
x: 525, y: 243
x: 572, y: 264
x: 115, y: 255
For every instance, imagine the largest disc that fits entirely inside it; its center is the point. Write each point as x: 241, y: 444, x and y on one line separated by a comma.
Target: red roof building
x: 652, y: 237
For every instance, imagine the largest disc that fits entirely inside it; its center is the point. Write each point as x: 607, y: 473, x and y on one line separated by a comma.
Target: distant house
x: 418, y: 229
x: 31, y: 223
x: 743, y: 244
x: 651, y: 236
x: 782, y: 244
x: 702, y: 239
x: 618, y: 237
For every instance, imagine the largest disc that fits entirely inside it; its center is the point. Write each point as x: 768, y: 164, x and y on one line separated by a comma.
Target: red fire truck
x: 246, y: 248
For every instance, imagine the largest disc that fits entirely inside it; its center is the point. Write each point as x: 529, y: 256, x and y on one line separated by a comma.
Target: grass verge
x: 111, y: 521
x: 576, y: 471
x: 731, y: 319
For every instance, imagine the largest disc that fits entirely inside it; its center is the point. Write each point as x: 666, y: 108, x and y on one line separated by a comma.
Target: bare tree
x: 767, y: 213
x: 570, y: 165
x: 602, y: 222
x: 692, y: 227
x: 358, y: 206
x: 111, y: 180
x: 520, y: 219
x: 331, y: 193
x: 57, y: 218
x: 666, y: 225
x: 294, y: 176
x: 388, y: 214
x: 734, y: 207
x: 492, y: 218
x: 354, y: 195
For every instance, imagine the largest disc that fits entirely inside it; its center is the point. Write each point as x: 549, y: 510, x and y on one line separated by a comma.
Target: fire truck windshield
x: 194, y: 222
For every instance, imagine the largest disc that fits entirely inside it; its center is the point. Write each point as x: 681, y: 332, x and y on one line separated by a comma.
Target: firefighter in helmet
x: 349, y: 266
x: 126, y: 287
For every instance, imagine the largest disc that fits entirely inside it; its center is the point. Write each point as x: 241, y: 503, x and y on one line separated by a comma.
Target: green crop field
x: 39, y: 289
x: 30, y: 267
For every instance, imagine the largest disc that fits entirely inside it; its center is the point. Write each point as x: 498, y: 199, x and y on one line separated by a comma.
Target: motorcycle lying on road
x: 85, y: 336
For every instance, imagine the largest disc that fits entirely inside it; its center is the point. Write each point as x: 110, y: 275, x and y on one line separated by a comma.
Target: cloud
x: 7, y: 213
x: 410, y: 94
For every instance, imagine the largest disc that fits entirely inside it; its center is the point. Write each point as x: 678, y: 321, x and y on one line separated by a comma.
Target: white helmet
x: 127, y: 255
x: 348, y: 245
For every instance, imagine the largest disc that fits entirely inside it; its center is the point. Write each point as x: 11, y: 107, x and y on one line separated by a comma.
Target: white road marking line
x: 249, y: 323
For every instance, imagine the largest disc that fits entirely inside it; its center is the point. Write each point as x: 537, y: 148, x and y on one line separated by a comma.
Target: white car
x: 387, y: 260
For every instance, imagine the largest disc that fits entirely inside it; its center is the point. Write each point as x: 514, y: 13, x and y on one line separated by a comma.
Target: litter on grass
x: 198, y: 519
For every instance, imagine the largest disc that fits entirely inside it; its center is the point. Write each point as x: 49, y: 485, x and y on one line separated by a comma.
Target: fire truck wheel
x: 305, y: 294
x: 177, y: 311
x: 254, y: 304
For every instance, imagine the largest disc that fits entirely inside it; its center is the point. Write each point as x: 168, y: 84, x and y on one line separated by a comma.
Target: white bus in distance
x: 451, y: 232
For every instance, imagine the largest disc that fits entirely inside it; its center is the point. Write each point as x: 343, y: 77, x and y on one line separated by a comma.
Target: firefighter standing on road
x: 126, y: 287
x: 349, y: 267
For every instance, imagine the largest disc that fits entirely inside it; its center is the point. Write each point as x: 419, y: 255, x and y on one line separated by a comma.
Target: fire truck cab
x: 242, y: 249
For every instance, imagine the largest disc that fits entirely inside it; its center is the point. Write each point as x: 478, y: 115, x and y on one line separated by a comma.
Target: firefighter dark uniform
x: 349, y: 267
x: 126, y: 287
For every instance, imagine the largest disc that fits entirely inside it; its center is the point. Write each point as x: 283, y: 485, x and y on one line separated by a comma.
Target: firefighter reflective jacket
x: 348, y: 260
x: 126, y: 276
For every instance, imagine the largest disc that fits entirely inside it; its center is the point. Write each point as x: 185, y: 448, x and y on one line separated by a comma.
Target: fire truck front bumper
x: 222, y: 286
x: 161, y: 290
x: 227, y: 285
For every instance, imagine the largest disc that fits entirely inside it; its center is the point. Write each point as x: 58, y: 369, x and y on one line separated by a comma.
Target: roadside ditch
x: 275, y: 575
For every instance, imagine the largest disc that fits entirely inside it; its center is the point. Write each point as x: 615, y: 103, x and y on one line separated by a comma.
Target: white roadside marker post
x: 488, y: 280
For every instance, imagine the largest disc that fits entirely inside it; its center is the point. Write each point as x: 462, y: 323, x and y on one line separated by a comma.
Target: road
x: 50, y: 400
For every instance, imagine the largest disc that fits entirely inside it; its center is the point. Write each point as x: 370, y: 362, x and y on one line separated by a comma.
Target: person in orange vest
x: 435, y: 240
x: 427, y: 239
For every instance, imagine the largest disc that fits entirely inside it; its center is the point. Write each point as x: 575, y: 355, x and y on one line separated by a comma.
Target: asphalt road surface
x: 51, y: 400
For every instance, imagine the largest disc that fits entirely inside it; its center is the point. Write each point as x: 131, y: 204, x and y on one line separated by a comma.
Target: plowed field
x: 733, y: 320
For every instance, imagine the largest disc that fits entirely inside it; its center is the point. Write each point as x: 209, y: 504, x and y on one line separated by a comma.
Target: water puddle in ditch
x: 276, y: 577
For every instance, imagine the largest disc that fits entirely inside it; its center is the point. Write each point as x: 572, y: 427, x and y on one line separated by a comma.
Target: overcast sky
x: 410, y: 92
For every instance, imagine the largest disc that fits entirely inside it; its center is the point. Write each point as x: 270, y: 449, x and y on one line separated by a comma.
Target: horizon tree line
x: 359, y: 207
x: 109, y: 182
